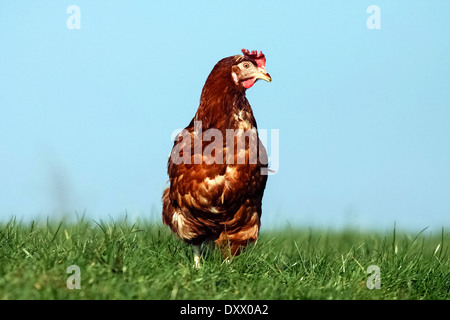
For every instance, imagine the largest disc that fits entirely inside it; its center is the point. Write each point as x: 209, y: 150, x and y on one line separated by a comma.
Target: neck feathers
x: 222, y: 99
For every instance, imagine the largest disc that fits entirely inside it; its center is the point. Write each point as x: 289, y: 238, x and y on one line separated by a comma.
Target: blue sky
x: 363, y: 115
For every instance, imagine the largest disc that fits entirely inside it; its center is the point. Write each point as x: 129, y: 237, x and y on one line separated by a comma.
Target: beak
x: 262, y: 74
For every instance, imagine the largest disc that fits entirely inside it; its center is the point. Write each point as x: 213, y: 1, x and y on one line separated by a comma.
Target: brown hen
x: 218, y: 165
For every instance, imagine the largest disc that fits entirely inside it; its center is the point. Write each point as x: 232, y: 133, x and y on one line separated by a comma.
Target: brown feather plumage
x: 218, y: 201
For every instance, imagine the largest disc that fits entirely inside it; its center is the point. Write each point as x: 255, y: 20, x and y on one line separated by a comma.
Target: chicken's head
x: 249, y: 68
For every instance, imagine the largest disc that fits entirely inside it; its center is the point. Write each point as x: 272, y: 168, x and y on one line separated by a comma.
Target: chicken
x: 218, y: 166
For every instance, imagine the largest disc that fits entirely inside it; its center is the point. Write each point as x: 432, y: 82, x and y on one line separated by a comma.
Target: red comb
x: 258, y: 57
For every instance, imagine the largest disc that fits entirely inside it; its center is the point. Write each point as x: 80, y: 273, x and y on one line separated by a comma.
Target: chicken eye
x: 246, y: 65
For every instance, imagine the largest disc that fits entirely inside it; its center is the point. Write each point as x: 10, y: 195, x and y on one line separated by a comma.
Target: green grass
x: 121, y: 260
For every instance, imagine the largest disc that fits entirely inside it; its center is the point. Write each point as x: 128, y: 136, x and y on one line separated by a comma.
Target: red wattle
x: 248, y: 83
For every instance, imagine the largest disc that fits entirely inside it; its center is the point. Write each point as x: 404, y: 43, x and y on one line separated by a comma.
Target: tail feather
x: 168, y: 209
